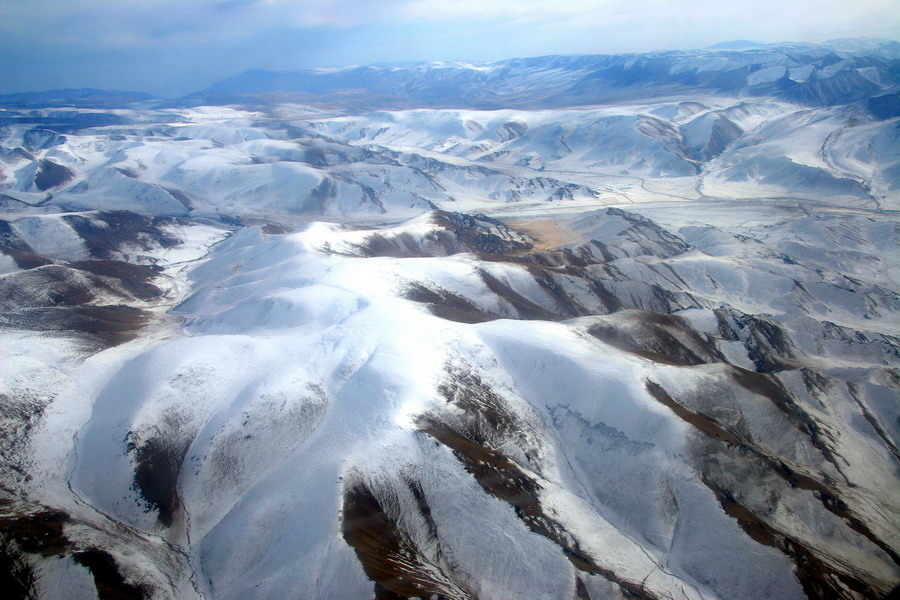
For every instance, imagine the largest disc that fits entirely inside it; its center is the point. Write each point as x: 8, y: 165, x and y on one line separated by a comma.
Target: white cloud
x: 134, y: 22
x: 480, y: 10
x: 127, y: 24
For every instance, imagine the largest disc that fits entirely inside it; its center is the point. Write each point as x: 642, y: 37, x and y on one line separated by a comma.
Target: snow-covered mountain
x: 829, y: 74
x: 645, y: 349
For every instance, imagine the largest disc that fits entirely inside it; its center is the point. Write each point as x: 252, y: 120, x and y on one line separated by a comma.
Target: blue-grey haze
x: 170, y: 47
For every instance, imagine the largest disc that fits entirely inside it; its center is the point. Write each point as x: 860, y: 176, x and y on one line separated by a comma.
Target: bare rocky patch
x: 662, y: 338
x: 388, y: 556
x: 731, y: 464
x: 101, y: 326
x: 820, y: 580
x: 27, y: 536
x: 109, y: 233
x: 52, y: 175
x: 477, y: 438
x: 158, y: 464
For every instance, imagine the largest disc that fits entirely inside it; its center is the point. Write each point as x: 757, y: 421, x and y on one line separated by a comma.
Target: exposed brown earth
x: 110, y: 583
x: 547, y: 233
x: 389, y: 558
x: 159, y: 462
x: 447, y: 305
x: 503, y: 479
x: 654, y: 338
x: 487, y: 421
x: 118, y: 229
x: 106, y: 326
x: 820, y: 581
x: 820, y: 578
x: 42, y: 533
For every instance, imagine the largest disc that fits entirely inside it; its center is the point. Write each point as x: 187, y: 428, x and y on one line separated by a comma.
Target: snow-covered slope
x: 231, y: 164
x: 637, y: 351
x: 722, y: 149
x: 303, y: 420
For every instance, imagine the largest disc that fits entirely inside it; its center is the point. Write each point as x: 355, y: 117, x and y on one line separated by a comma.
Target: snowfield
x: 645, y: 350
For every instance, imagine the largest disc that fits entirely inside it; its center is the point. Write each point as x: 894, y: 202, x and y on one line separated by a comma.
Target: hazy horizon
x: 168, y: 49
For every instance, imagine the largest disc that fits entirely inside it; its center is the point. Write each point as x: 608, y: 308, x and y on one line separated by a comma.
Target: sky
x: 173, y: 47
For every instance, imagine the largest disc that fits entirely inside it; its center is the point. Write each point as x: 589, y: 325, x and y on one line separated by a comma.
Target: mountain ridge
x: 799, y: 73
x: 74, y: 97
x: 638, y: 350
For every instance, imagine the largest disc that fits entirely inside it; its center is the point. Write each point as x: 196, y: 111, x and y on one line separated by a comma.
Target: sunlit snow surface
x: 321, y: 335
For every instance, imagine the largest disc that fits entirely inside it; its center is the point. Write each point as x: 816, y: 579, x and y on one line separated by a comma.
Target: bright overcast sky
x: 171, y: 47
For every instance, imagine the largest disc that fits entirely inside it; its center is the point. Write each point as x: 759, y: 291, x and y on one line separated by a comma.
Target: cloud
x: 100, y: 23
x: 507, y: 10
x: 126, y: 24
x: 147, y: 22
x: 141, y: 43
x: 760, y: 17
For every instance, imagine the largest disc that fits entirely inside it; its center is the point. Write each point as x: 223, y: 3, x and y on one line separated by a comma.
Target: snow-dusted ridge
x: 833, y: 73
x: 293, y: 352
x: 637, y: 351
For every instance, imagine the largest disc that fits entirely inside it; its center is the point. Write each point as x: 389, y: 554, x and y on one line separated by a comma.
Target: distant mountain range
x: 81, y: 97
x: 829, y: 74
x: 836, y: 72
